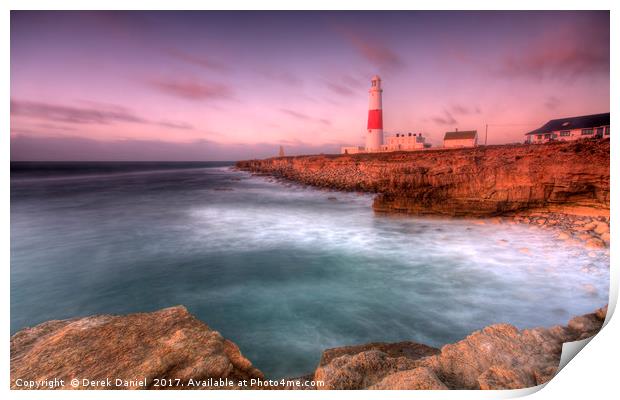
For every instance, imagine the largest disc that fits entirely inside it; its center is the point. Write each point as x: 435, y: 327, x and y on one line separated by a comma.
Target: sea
x: 283, y: 270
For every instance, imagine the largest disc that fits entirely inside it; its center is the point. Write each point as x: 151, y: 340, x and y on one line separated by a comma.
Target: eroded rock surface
x: 168, y: 343
x: 356, y: 367
x: 414, y: 379
x: 496, y: 357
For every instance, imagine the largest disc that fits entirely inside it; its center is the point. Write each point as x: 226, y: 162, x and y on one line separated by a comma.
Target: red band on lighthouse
x: 375, y: 119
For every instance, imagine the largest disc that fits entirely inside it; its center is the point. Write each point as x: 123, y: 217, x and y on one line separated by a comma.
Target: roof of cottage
x: 584, y: 121
x: 458, y: 135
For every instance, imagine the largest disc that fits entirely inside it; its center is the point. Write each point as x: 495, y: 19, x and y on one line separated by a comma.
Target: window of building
x: 547, y: 136
x: 607, y: 131
x: 539, y: 137
x: 588, y: 131
x: 564, y: 133
x: 599, y: 131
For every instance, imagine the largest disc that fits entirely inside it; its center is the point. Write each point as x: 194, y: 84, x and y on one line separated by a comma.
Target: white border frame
x: 591, y: 373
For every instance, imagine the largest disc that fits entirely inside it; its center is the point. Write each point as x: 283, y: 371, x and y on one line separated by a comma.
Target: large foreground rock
x: 172, y: 344
x: 496, y: 357
x: 169, y: 343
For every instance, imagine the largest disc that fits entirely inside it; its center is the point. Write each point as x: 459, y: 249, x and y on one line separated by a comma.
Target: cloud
x: 346, y: 85
x: 552, y: 103
x: 304, y: 117
x: 561, y: 63
x: 295, y: 114
x: 38, y: 148
x: 284, y: 77
x: 460, y: 109
x: 55, y: 127
x: 175, y: 125
x: 192, y: 89
x: 75, y: 115
x: 340, y: 89
x: 565, y: 53
x: 199, y: 60
x: 447, y: 115
x: 95, y: 114
x: 445, y: 119
x: 372, y: 50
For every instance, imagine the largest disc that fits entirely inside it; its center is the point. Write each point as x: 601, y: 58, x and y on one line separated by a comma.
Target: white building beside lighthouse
x: 374, y: 133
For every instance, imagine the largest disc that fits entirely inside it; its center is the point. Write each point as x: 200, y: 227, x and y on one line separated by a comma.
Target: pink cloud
x: 372, y: 50
x: 193, y: 90
x: 552, y: 103
x: 76, y: 115
x: 340, y: 89
x: 287, y: 78
x: 305, y: 117
x: 460, y: 109
x: 199, y: 60
x: 101, y: 115
x: 445, y: 119
x: 564, y: 53
x: 295, y: 114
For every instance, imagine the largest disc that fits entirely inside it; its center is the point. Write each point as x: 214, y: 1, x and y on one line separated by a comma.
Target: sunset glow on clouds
x: 231, y: 85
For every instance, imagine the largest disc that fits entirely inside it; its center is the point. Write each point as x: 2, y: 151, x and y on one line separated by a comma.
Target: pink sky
x: 233, y: 85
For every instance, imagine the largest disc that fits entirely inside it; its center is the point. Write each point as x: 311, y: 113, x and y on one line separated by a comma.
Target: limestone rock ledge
x: 472, y: 182
x: 169, y: 343
x: 496, y: 357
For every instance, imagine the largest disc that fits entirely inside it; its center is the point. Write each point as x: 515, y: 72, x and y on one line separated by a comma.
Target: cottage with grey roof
x: 460, y: 139
x: 571, y: 128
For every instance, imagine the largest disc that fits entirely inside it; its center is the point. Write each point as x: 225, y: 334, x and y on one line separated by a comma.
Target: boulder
x: 595, y: 243
x: 497, y: 378
x: 169, y: 343
x: 496, y: 357
x: 605, y: 237
x: 503, y: 357
x: 563, y: 236
x: 414, y: 379
x: 359, y: 367
x: 601, y: 228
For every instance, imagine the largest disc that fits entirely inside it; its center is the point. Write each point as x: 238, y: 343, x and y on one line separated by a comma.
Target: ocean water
x: 283, y: 270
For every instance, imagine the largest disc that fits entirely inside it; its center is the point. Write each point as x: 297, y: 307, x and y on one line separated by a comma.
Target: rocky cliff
x: 137, y: 351
x: 482, y: 181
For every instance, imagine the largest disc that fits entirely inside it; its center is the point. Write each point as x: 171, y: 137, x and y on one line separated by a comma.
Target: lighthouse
x: 374, y: 135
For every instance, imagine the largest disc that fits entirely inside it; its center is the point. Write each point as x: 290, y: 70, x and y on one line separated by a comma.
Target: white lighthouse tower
x: 374, y: 134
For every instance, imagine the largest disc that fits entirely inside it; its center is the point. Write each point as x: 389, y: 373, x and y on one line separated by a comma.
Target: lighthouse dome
x: 375, y: 78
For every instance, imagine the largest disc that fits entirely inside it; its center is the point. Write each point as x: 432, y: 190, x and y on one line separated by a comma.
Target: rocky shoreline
x: 589, y: 231
x: 563, y: 186
x: 565, y: 177
x: 171, y: 349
